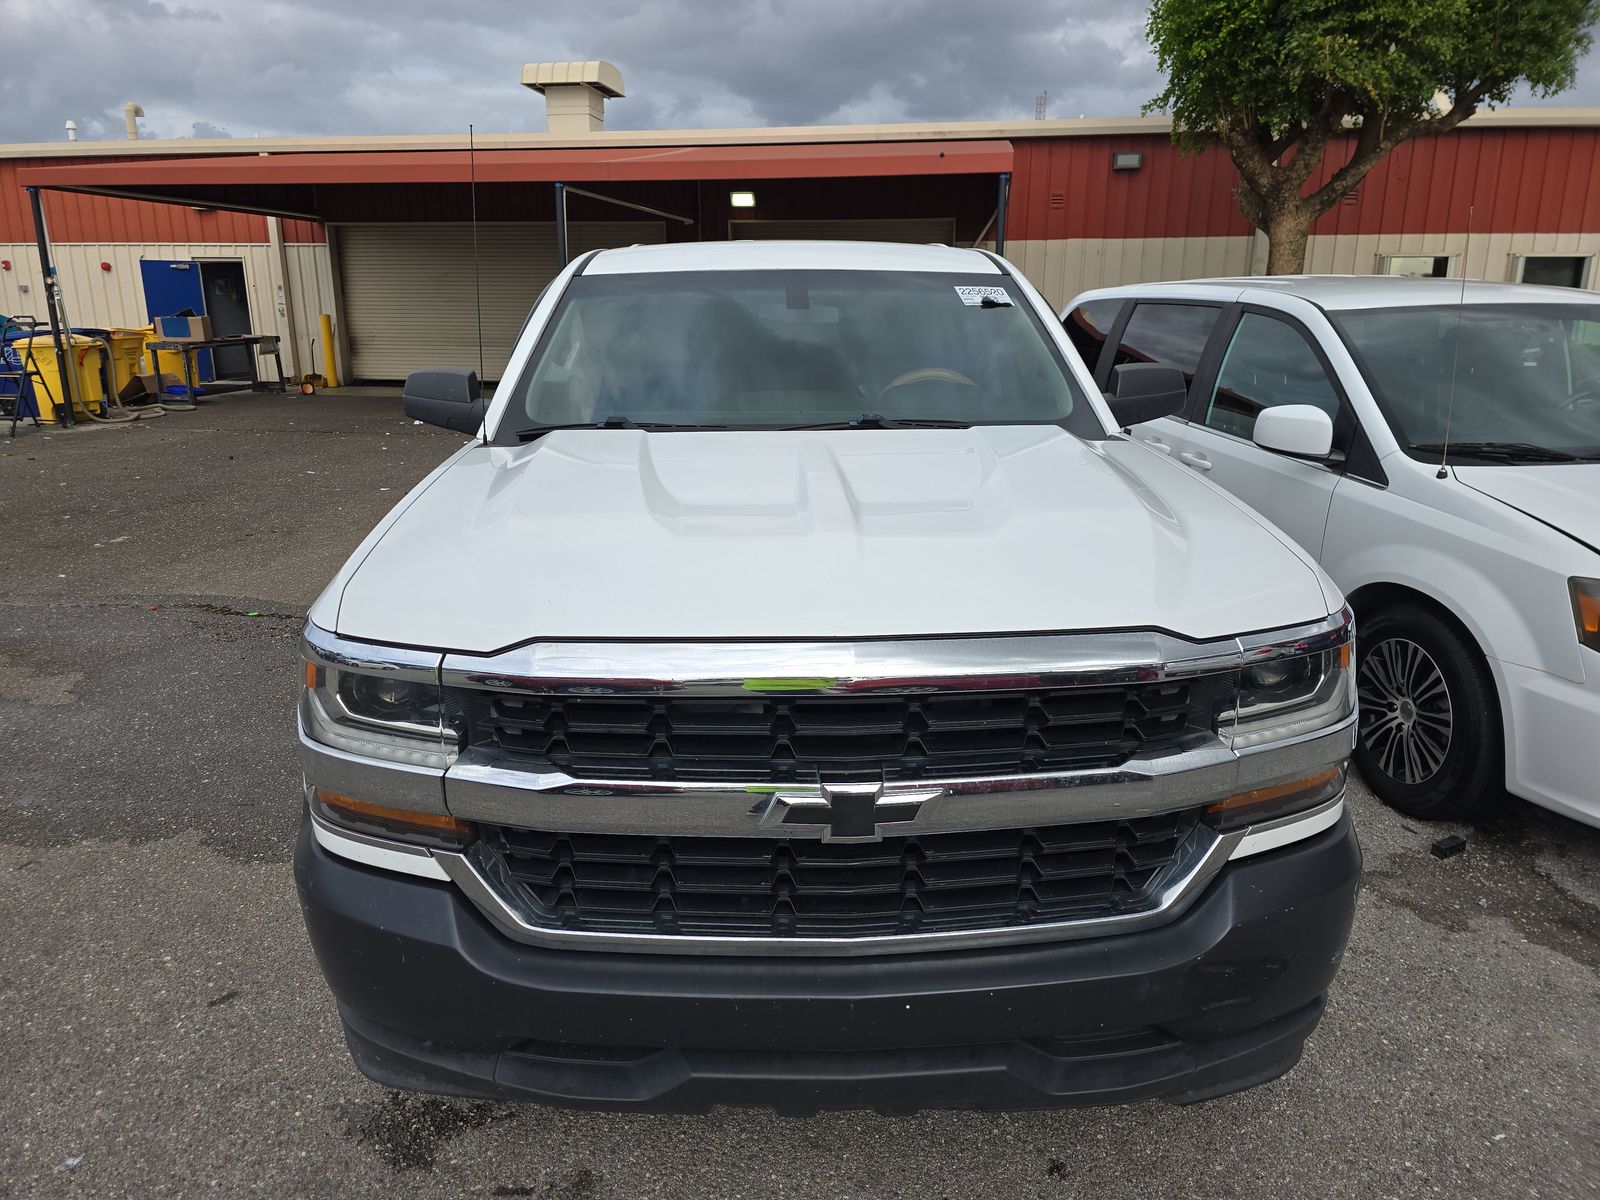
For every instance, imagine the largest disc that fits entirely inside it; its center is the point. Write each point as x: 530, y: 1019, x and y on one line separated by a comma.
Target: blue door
x: 172, y: 286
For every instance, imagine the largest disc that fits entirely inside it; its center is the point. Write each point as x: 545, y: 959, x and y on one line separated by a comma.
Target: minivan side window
x: 1173, y: 335
x: 1268, y: 362
x: 1087, y: 326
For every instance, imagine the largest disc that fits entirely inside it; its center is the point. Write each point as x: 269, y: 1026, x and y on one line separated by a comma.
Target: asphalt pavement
x: 164, y: 1030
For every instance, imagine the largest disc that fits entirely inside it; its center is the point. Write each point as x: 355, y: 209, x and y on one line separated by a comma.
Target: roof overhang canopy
x: 286, y: 184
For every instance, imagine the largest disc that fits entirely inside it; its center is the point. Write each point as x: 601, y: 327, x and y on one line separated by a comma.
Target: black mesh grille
x: 762, y: 738
x: 774, y: 887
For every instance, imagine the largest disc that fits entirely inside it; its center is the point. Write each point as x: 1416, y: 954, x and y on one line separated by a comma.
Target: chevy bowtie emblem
x: 847, y: 812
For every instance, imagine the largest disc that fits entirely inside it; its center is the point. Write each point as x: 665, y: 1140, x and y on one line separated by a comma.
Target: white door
x: 408, y: 293
x: 1268, y: 361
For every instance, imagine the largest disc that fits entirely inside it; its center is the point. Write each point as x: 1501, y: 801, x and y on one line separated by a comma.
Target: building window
x: 1421, y: 266
x: 1553, y: 270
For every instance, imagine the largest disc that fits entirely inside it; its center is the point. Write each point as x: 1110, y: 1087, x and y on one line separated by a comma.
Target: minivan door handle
x: 1195, y: 459
x: 1156, y: 443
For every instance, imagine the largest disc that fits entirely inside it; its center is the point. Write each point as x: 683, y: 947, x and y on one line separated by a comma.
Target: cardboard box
x: 145, y: 389
x: 184, y: 329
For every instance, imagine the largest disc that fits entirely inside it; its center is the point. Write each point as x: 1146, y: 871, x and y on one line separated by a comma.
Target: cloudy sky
x: 276, y: 67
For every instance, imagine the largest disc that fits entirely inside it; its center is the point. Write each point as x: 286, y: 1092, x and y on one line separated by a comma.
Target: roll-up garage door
x: 407, y: 289
x: 893, y: 229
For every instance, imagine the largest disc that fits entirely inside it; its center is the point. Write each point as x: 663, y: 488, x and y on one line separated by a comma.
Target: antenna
x: 1455, y: 356
x: 477, y: 284
x: 1041, y: 105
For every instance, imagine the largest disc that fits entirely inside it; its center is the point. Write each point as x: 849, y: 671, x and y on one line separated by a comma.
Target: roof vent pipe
x: 131, y: 112
x: 72, y: 131
x: 575, y: 93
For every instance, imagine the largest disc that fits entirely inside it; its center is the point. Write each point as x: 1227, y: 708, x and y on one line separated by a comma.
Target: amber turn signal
x: 346, y: 809
x: 1275, y: 800
x: 1586, y: 608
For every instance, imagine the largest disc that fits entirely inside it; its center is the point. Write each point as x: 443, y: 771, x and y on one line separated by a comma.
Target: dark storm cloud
x: 340, y: 66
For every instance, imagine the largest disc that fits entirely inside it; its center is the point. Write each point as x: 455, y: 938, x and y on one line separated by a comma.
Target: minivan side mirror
x: 1144, y: 391
x: 449, y: 398
x: 1300, y: 430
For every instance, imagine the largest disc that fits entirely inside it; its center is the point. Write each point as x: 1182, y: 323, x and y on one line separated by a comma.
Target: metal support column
x: 1000, y: 213
x: 63, y: 345
x: 561, y: 225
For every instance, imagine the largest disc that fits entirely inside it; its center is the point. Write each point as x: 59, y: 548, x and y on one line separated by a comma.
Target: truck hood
x: 607, y: 534
x: 1565, y: 496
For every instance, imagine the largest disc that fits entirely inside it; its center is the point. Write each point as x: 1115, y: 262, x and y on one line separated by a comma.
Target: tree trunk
x: 1286, y: 242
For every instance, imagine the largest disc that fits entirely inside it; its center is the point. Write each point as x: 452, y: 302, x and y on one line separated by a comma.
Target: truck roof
x: 785, y: 255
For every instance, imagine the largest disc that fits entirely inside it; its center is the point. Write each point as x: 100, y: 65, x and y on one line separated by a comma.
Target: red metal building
x: 375, y: 232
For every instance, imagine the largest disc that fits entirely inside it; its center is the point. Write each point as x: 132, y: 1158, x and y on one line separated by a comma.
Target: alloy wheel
x: 1406, y: 717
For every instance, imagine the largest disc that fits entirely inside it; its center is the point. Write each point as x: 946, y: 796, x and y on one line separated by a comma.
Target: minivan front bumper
x: 434, y: 998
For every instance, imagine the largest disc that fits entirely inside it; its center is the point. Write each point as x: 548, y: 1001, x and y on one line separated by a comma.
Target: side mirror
x: 1299, y: 430
x: 1144, y: 391
x: 448, y: 398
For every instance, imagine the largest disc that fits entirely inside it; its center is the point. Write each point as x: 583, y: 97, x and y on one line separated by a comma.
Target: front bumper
x: 435, y: 999
x: 1552, y: 757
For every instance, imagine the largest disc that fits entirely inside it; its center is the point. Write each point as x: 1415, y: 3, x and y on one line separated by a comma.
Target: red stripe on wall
x: 77, y: 218
x: 1535, y: 180
x: 1528, y: 180
x: 1502, y: 180
x: 1170, y: 195
x: 304, y: 231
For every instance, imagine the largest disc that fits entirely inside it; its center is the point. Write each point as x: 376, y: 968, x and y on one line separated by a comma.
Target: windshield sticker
x: 978, y: 297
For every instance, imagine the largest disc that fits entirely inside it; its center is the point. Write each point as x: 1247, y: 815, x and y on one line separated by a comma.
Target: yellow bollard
x: 329, y: 370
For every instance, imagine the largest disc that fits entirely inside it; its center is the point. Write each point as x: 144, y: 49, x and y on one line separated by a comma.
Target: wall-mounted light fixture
x: 742, y: 199
x: 105, y: 266
x: 1127, y: 160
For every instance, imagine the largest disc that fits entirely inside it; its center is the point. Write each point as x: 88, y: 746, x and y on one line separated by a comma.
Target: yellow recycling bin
x: 88, y: 385
x: 127, y: 356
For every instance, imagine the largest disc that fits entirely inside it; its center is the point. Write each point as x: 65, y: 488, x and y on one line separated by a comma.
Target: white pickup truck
x: 798, y: 692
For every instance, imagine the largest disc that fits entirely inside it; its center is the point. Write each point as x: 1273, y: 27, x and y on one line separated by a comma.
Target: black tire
x: 1430, y: 741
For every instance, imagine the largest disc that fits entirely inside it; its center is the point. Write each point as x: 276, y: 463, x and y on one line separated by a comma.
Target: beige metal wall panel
x: 1061, y: 268
x: 100, y: 298
x: 1490, y: 256
x: 408, y: 288
x: 310, y: 283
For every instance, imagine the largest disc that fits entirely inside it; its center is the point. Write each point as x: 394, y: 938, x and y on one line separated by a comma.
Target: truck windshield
x: 1502, y: 383
x: 779, y: 349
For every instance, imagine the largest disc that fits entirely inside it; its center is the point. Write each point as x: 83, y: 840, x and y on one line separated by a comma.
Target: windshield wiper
x: 534, y: 432
x: 1501, y: 451
x: 879, y: 421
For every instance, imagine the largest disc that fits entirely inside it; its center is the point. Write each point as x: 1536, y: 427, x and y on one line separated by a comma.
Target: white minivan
x: 1436, y: 444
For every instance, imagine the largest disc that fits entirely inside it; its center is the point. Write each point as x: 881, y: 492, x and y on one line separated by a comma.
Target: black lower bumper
x: 434, y: 999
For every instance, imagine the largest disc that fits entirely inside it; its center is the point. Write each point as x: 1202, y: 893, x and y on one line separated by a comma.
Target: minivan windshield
x: 1501, y: 383
x: 785, y: 349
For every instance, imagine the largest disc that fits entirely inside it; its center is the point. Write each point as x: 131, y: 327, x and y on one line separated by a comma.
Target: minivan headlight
x: 1295, y: 687
x: 1586, y: 610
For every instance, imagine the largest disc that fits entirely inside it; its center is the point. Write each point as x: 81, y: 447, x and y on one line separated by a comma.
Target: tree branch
x: 1377, y: 139
x: 1255, y: 168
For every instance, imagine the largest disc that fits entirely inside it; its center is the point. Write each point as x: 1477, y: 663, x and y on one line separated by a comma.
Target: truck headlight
x: 1586, y: 610
x: 395, y: 711
x: 1291, y: 688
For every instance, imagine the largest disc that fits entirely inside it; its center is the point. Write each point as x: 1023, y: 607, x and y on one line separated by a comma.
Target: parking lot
x: 166, y: 1031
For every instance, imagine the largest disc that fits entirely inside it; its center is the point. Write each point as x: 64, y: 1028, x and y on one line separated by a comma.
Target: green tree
x: 1277, y: 81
